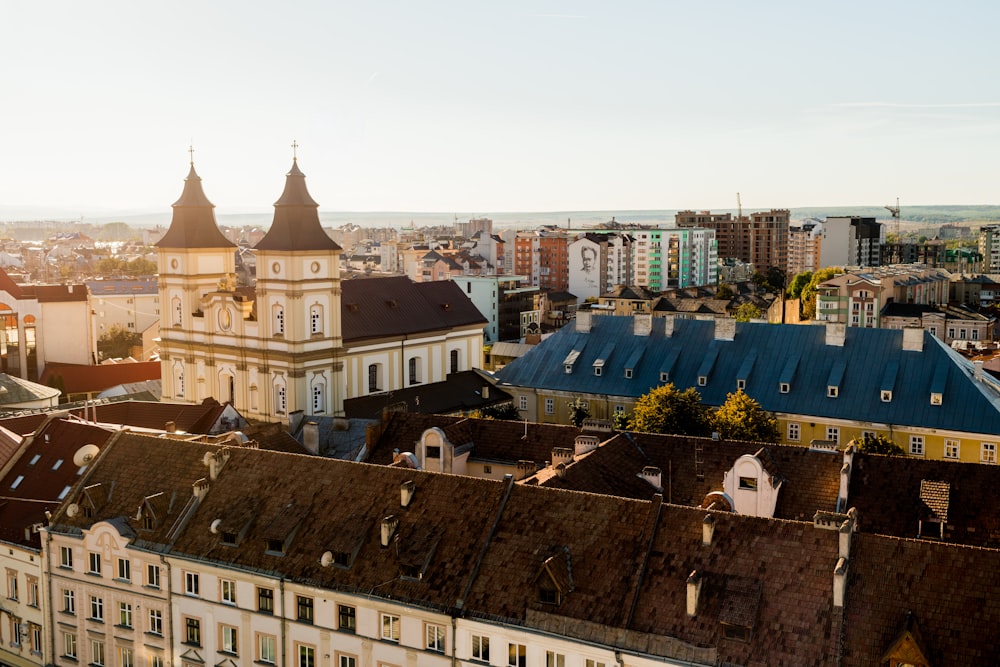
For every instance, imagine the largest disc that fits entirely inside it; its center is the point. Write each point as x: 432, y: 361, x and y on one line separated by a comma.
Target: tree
x: 117, y: 342
x: 667, y: 410
x: 578, y: 411
x: 505, y: 411
x: 724, y: 292
x: 742, y: 418
x: 879, y: 444
x: 808, y: 296
x: 798, y: 284
x: 748, y: 311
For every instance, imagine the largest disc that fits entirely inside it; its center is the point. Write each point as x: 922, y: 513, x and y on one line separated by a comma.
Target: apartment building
x: 989, y: 248
x: 674, y: 257
x: 851, y: 241
x: 502, y: 301
x: 759, y: 238
x: 857, y: 298
x: 804, y: 240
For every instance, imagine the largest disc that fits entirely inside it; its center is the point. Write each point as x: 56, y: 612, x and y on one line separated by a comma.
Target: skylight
x: 64, y: 492
x: 55, y: 466
x: 17, y: 482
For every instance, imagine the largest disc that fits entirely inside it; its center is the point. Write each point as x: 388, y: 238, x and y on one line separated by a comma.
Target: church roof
x: 193, y: 223
x: 296, y: 223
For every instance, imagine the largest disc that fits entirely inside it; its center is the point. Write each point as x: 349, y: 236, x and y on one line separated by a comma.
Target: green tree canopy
x: 808, y: 296
x: 724, y: 292
x: 667, y: 410
x: 505, y: 411
x: 117, y: 342
x: 742, y: 418
x: 748, y: 311
x: 798, y: 283
x: 578, y: 411
x: 879, y: 444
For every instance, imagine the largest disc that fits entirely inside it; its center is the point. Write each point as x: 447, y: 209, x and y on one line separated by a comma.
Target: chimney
x: 642, y: 324
x: 668, y: 326
x: 310, y: 437
x: 583, y: 318
x: 845, y: 531
x: 693, y: 589
x: 977, y: 370
x: 215, y: 461
x: 406, y: 491
x: 913, y: 339
x: 725, y: 328
x: 200, y: 488
x: 561, y: 455
x: 652, y: 475
x: 707, y: 530
x: 524, y: 469
x: 561, y: 470
x: 835, y: 333
x: 584, y: 444
x: 171, y: 427
x: 486, y: 392
x: 389, y: 524
x: 839, y: 582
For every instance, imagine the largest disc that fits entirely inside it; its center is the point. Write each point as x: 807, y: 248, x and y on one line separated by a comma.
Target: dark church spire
x: 193, y: 223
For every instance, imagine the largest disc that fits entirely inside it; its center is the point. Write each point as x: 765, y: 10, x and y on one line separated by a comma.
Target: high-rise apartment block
x: 541, y: 256
x: 760, y: 238
x: 804, y: 241
x: 989, y: 248
x: 851, y: 241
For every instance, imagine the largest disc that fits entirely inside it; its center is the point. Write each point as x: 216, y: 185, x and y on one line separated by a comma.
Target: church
x: 301, y: 339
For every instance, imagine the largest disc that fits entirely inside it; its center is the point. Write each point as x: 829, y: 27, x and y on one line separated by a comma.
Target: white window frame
x: 125, y: 614
x: 434, y: 635
x: 227, y: 591
x: 156, y: 622
x: 229, y: 639
x: 267, y: 648
x: 153, y: 575
x: 988, y: 452
x: 550, y: 406
x: 481, y: 648
x: 952, y: 449
x: 916, y: 445
x: 93, y: 562
x: 69, y: 601
x: 124, y: 569
x: 66, y: 557
x: 794, y: 432
x: 833, y: 434
x: 522, y: 402
x: 389, y: 627
x: 192, y: 583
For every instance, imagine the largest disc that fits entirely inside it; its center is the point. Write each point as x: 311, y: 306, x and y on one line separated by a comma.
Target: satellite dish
x: 327, y: 559
x: 85, y: 455
x: 215, y: 525
x: 72, y: 510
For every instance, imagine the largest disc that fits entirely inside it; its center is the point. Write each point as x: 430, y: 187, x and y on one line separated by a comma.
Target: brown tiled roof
x: 79, y: 378
x: 52, y: 293
x: 395, y: 305
x: 950, y: 590
x: 459, y: 392
x: 886, y: 491
x: 42, y: 479
x: 198, y: 418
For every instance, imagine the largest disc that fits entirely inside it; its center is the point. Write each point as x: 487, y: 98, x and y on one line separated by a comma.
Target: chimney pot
x: 693, y: 591
x: 389, y: 524
x: 707, y: 530
x: 406, y: 491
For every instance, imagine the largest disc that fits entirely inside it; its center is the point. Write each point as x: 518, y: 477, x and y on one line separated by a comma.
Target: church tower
x: 298, y: 307
x: 194, y: 260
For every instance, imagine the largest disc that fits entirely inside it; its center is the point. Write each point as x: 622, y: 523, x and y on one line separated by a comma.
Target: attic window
x: 831, y: 392
x: 275, y: 547
x: 737, y: 632
x: 783, y: 387
x: 433, y: 452
x: 741, y: 385
x: 548, y: 595
x: 148, y: 522
x: 702, y: 380
x: 63, y: 494
x: 936, y: 399
x: 17, y: 482
x: 228, y: 538
x: 341, y: 558
x: 597, y: 371
x: 664, y: 377
x: 34, y: 459
x: 886, y: 396
x: 569, y: 369
x: 628, y: 373
x: 748, y: 483
x: 55, y: 466
x: 411, y: 571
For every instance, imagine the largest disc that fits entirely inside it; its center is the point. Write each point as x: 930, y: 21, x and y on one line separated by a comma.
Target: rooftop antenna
x: 739, y: 207
x: 895, y: 217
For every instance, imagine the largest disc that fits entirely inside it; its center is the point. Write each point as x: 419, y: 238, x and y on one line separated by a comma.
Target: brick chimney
x: 693, y: 590
x: 310, y: 437
x: 707, y: 530
x: 583, y: 321
x: 561, y: 455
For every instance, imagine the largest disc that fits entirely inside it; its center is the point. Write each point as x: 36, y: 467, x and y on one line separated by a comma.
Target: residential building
x: 541, y: 256
x: 674, y: 257
x: 133, y: 305
x: 598, y: 262
x: 760, y: 238
x: 858, y: 296
x: 804, y: 241
x: 949, y: 323
x: 501, y: 300
x: 989, y: 248
x: 851, y: 241
x: 300, y: 339
x: 819, y: 381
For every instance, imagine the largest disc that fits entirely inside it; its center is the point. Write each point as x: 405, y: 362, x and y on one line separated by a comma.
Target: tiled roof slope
x: 950, y: 590
x: 811, y: 478
x: 867, y: 355
x: 394, y: 306
x: 459, y: 392
x: 42, y: 479
x: 886, y: 492
x: 77, y: 378
x: 401, y: 432
x: 198, y: 418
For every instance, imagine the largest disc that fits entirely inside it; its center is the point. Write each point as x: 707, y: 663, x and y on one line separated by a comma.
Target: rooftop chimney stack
x: 707, y: 530
x: 913, y: 339
x: 693, y: 590
x: 836, y: 332
x: 561, y: 455
x: 642, y: 324
x: 389, y: 525
x: 725, y: 328
x: 310, y: 437
x: 653, y: 477
x: 839, y: 582
x: 583, y: 321
x: 406, y: 491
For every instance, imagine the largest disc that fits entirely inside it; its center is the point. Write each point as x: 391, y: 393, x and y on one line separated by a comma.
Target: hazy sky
x: 499, y: 106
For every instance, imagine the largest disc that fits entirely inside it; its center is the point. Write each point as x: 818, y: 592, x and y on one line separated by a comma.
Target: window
x: 191, y: 583
x: 414, y: 370
x: 373, y: 378
x: 279, y: 320
x: 95, y: 563
x: 11, y: 585
x: 702, y: 380
x: 316, y: 320
x: 32, y: 592
x: 597, y: 371
x: 628, y: 375
x: 125, y: 614
x: 951, y: 449
x: 279, y: 399
x: 553, y: 659
x: 390, y: 627
x: 96, y: 608
x: 435, y: 637
x: 265, y: 600
x: 664, y: 377
x: 550, y: 406
x: 305, y: 609
x: 833, y: 434
x: 155, y: 661
x: 155, y: 622
x: 319, y: 400
x: 783, y: 388
x: 346, y: 618
x: 192, y: 631
x: 453, y: 361
x: 487, y: 470
x: 794, y: 432
x: 97, y: 652
x: 936, y: 398
x: 975, y: 334
x: 125, y: 657
x: 481, y: 648
x: 886, y: 396
x: 228, y: 593
x: 69, y: 601
x: 916, y: 445
x: 153, y: 576
x: 65, y: 557
x: 522, y: 402
x: 344, y: 660
x: 831, y: 391
x: 741, y: 385
x: 229, y: 639
x: 988, y: 454
x: 266, y: 646
x: 517, y: 655
x: 619, y: 409
x: 307, y: 656
x: 69, y: 645
x: 124, y: 569
x: 951, y: 332
x: 748, y: 483
x: 593, y: 663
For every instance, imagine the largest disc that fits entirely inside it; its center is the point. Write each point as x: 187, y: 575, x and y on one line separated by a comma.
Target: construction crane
x: 739, y: 207
x: 895, y: 217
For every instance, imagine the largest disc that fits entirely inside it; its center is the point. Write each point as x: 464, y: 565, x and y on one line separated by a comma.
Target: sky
x: 472, y: 107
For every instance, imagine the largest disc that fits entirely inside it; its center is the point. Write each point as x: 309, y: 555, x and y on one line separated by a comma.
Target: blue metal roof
x: 794, y: 354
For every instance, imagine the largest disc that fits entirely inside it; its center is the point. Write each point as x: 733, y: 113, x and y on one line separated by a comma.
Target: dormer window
x: 148, y: 522
x: 569, y: 369
x: 597, y: 371
x: 275, y: 547
x: 741, y: 385
x: 936, y: 399
x: 702, y: 380
x: 548, y: 596
x: 784, y: 387
x: 748, y: 483
x: 886, y: 396
x: 664, y: 377
x: 831, y: 392
x: 628, y: 373
x: 228, y: 538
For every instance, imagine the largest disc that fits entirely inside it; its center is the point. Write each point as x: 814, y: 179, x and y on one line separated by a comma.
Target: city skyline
x: 446, y: 106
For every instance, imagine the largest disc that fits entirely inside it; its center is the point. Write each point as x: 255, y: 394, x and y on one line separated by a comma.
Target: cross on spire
x: 191, y: 153
x: 295, y: 150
